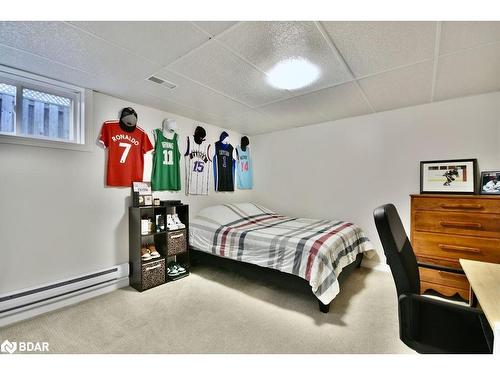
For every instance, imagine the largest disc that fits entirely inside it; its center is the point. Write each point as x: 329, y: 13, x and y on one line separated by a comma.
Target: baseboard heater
x: 26, y: 303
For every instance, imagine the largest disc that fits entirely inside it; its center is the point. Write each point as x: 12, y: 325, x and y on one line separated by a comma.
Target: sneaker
x: 170, y: 223
x: 179, y: 268
x: 177, y: 221
x: 145, y: 254
x: 172, y: 272
x: 153, y: 252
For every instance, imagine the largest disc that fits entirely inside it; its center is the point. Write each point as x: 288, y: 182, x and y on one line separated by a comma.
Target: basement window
x: 38, y: 111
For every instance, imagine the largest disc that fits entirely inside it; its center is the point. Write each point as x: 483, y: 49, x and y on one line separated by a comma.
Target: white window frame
x: 82, y: 106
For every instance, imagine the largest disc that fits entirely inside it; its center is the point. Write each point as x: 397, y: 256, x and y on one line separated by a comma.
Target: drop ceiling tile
x: 341, y: 101
x: 468, y: 72
x: 22, y: 60
x: 456, y: 35
x: 63, y: 43
x: 161, y: 42
x: 215, y: 27
x: 265, y: 44
x: 192, y: 94
x: 371, y: 47
x: 329, y: 104
x: 214, y: 66
x: 399, y: 88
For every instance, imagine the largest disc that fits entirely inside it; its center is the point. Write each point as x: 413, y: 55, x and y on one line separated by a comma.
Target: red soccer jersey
x: 125, y: 153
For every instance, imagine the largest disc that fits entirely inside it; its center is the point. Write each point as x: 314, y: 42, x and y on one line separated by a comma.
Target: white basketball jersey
x: 198, y: 167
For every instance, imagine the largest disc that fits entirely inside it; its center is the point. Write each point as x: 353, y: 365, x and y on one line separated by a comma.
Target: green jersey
x: 166, y: 163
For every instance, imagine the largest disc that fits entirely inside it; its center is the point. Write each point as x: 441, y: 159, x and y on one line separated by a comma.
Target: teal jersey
x: 244, y: 169
x: 166, y: 173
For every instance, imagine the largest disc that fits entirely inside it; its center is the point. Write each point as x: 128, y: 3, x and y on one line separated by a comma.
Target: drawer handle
x: 152, y: 268
x: 462, y: 249
x: 177, y: 235
x: 460, y: 224
x: 462, y: 206
x: 447, y: 275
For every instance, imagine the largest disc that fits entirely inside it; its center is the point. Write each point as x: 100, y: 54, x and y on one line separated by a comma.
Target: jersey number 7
x: 125, y: 152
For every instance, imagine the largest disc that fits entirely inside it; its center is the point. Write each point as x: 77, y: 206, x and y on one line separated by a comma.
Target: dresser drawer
x: 484, y: 225
x: 451, y: 279
x: 471, y: 205
x: 446, y: 283
x: 449, y: 246
x: 438, y: 261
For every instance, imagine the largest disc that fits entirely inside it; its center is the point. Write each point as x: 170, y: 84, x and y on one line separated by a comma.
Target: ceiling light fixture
x: 292, y: 74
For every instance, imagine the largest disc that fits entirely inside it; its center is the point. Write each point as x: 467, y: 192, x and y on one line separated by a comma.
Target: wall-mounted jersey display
x: 244, y: 168
x: 166, y: 173
x: 126, y: 146
x: 197, y: 163
x: 224, y: 164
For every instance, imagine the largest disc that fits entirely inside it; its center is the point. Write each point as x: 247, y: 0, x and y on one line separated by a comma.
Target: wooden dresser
x: 445, y: 228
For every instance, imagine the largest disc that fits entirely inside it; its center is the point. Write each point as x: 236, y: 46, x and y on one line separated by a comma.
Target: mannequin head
x: 224, y: 138
x: 244, y: 142
x: 128, y: 119
x: 199, y: 135
x: 169, y: 125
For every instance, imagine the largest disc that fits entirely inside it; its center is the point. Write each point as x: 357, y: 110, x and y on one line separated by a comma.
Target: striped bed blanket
x: 315, y: 250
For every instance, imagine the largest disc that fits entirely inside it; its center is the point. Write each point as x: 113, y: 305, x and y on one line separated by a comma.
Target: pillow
x: 227, y: 213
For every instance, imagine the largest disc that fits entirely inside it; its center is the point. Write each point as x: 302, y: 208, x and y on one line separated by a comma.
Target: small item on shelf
x: 171, y: 224
x: 156, y: 201
x: 178, y: 222
x: 145, y: 254
x: 139, y: 190
x: 150, y: 225
x: 153, y: 252
x: 160, y: 223
x: 145, y: 226
x: 148, y: 200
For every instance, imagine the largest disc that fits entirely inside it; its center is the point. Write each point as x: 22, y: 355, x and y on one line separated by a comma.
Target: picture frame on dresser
x: 456, y: 176
x: 489, y: 183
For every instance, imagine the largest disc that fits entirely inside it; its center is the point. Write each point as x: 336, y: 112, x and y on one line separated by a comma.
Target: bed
x: 314, y: 250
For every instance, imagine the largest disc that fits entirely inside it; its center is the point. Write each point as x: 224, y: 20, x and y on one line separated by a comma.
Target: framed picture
x: 139, y: 191
x: 148, y: 200
x: 448, y: 176
x: 489, y: 183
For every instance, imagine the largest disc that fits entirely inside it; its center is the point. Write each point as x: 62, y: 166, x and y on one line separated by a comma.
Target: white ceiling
x: 220, y: 67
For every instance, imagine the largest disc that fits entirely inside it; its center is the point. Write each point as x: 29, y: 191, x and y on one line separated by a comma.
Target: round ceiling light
x: 292, y: 74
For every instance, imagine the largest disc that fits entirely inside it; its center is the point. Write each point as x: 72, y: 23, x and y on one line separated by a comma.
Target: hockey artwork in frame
x: 448, y: 176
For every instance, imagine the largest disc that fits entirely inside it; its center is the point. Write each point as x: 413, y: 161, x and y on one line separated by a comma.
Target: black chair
x: 427, y: 325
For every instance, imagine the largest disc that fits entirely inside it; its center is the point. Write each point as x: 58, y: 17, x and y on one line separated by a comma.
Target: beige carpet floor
x: 218, y: 311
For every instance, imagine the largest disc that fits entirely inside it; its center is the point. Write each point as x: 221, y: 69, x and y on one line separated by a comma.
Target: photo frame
x: 458, y: 176
x: 139, y: 191
x: 148, y: 200
x: 489, y: 183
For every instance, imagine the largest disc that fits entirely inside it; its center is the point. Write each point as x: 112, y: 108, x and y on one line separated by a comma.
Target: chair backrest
x: 398, y: 250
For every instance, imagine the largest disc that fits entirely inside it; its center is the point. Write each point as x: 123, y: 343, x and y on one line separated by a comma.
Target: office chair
x: 427, y: 325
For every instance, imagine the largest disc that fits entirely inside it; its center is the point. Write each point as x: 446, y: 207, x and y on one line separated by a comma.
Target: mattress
x: 315, y: 250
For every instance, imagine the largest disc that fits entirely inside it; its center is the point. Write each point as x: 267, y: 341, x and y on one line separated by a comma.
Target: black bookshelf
x: 145, y: 274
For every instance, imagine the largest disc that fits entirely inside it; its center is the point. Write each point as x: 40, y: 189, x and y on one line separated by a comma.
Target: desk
x: 484, y: 279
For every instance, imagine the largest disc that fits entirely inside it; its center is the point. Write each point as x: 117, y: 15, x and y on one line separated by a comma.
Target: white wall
x: 58, y: 220
x: 346, y: 168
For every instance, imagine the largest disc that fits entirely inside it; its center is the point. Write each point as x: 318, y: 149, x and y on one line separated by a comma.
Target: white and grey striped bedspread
x: 315, y: 250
